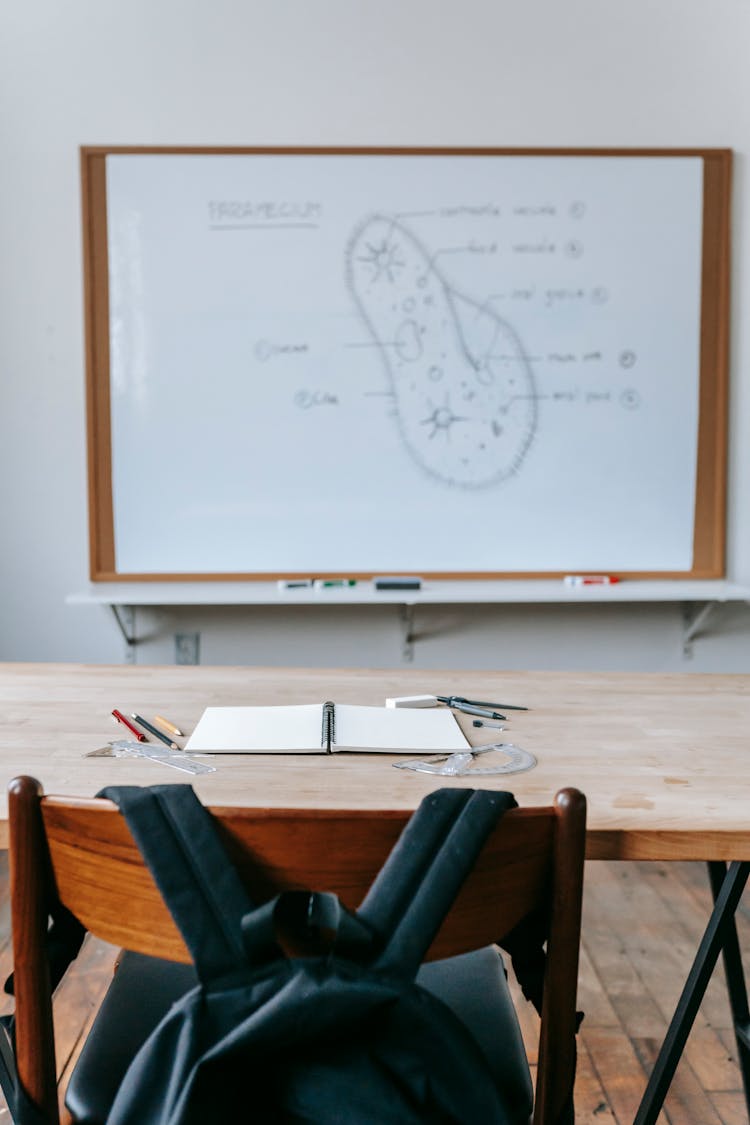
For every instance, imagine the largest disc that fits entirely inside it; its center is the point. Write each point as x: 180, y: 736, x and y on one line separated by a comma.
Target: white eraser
x: 412, y: 701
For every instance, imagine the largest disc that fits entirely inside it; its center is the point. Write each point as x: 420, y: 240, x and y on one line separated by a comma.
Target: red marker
x: 590, y: 579
x: 121, y: 719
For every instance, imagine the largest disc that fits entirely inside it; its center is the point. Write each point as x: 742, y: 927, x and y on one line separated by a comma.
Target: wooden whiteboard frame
x: 709, y: 524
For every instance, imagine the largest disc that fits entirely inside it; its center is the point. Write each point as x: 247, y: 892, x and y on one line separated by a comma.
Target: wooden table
x: 663, y: 761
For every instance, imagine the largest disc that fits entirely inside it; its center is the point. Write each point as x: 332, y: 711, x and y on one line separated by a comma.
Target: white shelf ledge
x: 432, y: 593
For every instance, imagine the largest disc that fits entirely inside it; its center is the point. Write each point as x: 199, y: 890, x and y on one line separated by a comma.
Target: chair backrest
x: 81, y: 851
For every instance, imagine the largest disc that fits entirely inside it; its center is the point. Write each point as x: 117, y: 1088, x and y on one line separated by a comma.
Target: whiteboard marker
x: 590, y: 579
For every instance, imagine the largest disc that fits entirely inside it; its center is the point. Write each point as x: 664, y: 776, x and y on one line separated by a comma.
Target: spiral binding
x: 328, y: 732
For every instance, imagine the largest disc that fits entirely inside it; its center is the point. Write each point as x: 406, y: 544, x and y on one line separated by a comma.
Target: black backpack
x: 344, y: 1035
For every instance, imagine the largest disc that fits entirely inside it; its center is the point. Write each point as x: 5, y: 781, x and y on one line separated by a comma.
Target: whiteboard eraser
x: 412, y: 701
x: 397, y: 582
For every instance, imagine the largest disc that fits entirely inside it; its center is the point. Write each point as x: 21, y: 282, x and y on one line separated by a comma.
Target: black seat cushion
x: 475, y: 987
x: 143, y: 989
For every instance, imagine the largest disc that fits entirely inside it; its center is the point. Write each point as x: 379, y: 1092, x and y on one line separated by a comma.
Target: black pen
x: 156, y: 733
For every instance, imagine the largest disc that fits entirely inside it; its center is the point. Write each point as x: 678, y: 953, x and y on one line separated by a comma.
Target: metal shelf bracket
x: 695, y: 616
x: 124, y: 615
x: 408, y: 635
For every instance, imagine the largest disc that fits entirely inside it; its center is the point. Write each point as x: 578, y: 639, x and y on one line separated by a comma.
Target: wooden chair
x: 81, y: 851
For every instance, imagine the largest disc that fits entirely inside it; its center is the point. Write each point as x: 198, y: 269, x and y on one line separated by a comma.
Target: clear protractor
x: 517, y: 760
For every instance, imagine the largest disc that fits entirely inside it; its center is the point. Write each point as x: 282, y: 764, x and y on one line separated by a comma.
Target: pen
x: 126, y: 722
x: 294, y: 583
x: 156, y: 733
x: 167, y: 725
x: 478, y: 703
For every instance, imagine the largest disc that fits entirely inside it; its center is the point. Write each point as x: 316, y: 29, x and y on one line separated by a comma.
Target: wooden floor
x: 642, y: 924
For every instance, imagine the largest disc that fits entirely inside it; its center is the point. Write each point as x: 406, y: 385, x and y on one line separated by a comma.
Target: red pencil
x: 121, y: 719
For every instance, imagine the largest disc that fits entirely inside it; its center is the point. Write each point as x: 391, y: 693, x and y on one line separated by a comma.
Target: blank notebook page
x: 234, y: 729
x: 397, y: 729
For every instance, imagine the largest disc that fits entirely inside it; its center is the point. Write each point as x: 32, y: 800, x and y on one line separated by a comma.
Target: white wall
x: 411, y: 72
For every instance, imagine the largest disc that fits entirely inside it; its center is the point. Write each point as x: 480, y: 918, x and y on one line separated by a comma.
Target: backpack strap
x: 405, y: 904
x: 177, y: 838
x: 424, y: 872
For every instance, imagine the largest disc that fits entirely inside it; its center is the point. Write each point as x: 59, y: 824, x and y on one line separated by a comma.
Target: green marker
x: 326, y: 583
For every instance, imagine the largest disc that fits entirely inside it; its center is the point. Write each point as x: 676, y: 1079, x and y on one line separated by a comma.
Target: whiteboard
x: 384, y: 363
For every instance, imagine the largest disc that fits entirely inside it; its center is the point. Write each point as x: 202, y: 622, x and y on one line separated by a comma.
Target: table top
x: 662, y: 759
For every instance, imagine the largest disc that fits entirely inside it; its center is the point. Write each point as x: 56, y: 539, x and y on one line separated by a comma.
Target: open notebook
x: 324, y: 728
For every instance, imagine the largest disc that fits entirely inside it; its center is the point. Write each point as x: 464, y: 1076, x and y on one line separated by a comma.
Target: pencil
x: 156, y: 733
x: 169, y: 727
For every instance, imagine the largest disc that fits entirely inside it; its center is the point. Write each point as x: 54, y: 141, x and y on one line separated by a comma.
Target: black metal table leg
x: 735, y: 976
x: 712, y: 942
